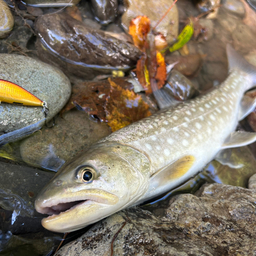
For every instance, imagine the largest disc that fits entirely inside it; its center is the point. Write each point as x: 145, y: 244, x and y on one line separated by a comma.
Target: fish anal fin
x: 173, y: 171
x: 239, y: 139
x: 247, y: 105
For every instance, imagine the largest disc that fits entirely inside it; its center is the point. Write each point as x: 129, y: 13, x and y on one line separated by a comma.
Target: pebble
x: 6, y: 20
x: 235, y: 7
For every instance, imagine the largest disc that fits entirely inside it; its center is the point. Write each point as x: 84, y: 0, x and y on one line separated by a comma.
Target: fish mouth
x: 60, y: 205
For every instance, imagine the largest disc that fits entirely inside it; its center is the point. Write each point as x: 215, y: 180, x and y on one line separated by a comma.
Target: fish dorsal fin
x: 239, y: 139
x: 247, y: 105
x: 171, y: 172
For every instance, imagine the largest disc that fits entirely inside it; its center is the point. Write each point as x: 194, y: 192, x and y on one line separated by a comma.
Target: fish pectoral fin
x: 172, y: 172
x: 224, y: 157
x: 247, y: 105
x: 239, y: 139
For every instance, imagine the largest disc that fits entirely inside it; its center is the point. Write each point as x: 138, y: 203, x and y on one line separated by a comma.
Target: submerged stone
x: 79, y: 50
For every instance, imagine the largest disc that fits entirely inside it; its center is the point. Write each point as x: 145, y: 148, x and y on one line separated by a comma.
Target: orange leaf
x: 161, y: 70
x: 124, y: 107
x: 138, y: 29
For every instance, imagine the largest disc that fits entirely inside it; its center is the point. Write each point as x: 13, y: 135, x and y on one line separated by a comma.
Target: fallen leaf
x: 139, y: 29
x: 124, y: 107
x: 91, y: 97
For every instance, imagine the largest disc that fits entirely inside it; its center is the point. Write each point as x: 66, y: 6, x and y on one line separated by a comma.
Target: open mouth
x: 56, y: 206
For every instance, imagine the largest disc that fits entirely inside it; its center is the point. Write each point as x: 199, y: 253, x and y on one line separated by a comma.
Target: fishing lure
x: 13, y: 93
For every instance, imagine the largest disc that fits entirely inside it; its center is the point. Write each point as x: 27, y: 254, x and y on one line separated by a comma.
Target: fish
x: 152, y: 156
x: 13, y: 93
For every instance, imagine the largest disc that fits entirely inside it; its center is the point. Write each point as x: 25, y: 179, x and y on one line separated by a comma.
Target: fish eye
x: 87, y: 174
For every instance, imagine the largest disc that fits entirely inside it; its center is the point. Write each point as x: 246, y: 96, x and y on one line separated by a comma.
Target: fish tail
x: 237, y: 61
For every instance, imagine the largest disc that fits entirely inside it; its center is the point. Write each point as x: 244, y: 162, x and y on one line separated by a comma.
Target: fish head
x: 96, y: 184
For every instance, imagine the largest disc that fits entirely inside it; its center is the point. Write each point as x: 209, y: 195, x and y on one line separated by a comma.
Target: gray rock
x: 6, y: 20
x: 19, y: 186
x: 220, y: 220
x: 154, y: 11
x: 52, y: 147
x: 235, y: 7
x: 44, y: 81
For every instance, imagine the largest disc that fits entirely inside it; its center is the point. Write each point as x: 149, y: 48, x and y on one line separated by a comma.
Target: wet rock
x: 187, y: 65
x: 243, y: 38
x: 179, y: 87
x: 238, y: 165
x: 50, y: 3
x: 44, y: 81
x: 235, y: 7
x: 154, y: 11
x: 52, y: 147
x: 215, y: 222
x: 79, y: 50
x: 6, y: 20
x: 252, y: 182
x: 19, y: 187
x: 105, y: 11
x: 229, y: 23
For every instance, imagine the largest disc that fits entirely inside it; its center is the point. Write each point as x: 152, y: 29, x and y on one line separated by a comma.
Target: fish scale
x: 152, y: 156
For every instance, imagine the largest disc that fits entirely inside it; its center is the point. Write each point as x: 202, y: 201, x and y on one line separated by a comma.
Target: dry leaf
x: 124, y: 107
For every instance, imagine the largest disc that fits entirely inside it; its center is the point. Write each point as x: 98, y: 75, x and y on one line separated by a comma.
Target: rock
x: 51, y: 147
x: 44, y: 81
x: 80, y: 50
x: 6, y: 20
x: 51, y: 3
x: 19, y: 187
x: 179, y: 87
x: 218, y: 221
x: 235, y: 7
x: 229, y: 23
x: 105, y: 11
x: 154, y: 11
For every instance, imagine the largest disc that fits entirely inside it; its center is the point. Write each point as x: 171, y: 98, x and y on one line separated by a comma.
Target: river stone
x: 44, y: 81
x: 154, y: 11
x: 220, y: 220
x: 6, y: 20
x: 82, y: 51
x: 52, y: 147
x: 19, y: 186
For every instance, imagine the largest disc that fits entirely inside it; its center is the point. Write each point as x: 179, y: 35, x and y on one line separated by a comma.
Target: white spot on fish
x: 175, y: 118
x: 212, y: 117
x: 170, y: 141
x: 148, y: 146
x: 140, y: 134
x: 214, y: 102
x: 186, y: 134
x: 200, y: 136
x: 194, y: 140
x: 209, y: 122
x: 198, y: 126
x: 206, y: 105
x: 193, y: 109
x: 150, y: 126
x: 201, y: 109
x: 185, y: 143
x: 185, y: 125
x: 165, y: 122
x: 158, y: 148
x: 188, y: 112
x: 225, y: 108
x: 176, y: 129
x: 166, y: 151
x: 201, y: 118
x: 218, y: 110
x: 209, y: 131
x: 187, y: 119
x: 161, y: 159
x: 163, y: 129
x: 153, y: 137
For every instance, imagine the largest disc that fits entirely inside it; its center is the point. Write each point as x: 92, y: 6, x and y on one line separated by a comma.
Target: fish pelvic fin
x: 237, y: 61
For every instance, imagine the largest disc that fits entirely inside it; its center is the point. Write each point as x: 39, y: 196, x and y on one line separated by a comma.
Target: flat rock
x: 44, y: 81
x: 52, y: 147
x: 220, y: 220
x: 154, y: 10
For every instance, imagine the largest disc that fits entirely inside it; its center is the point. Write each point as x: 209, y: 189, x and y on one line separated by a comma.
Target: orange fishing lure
x: 13, y: 93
